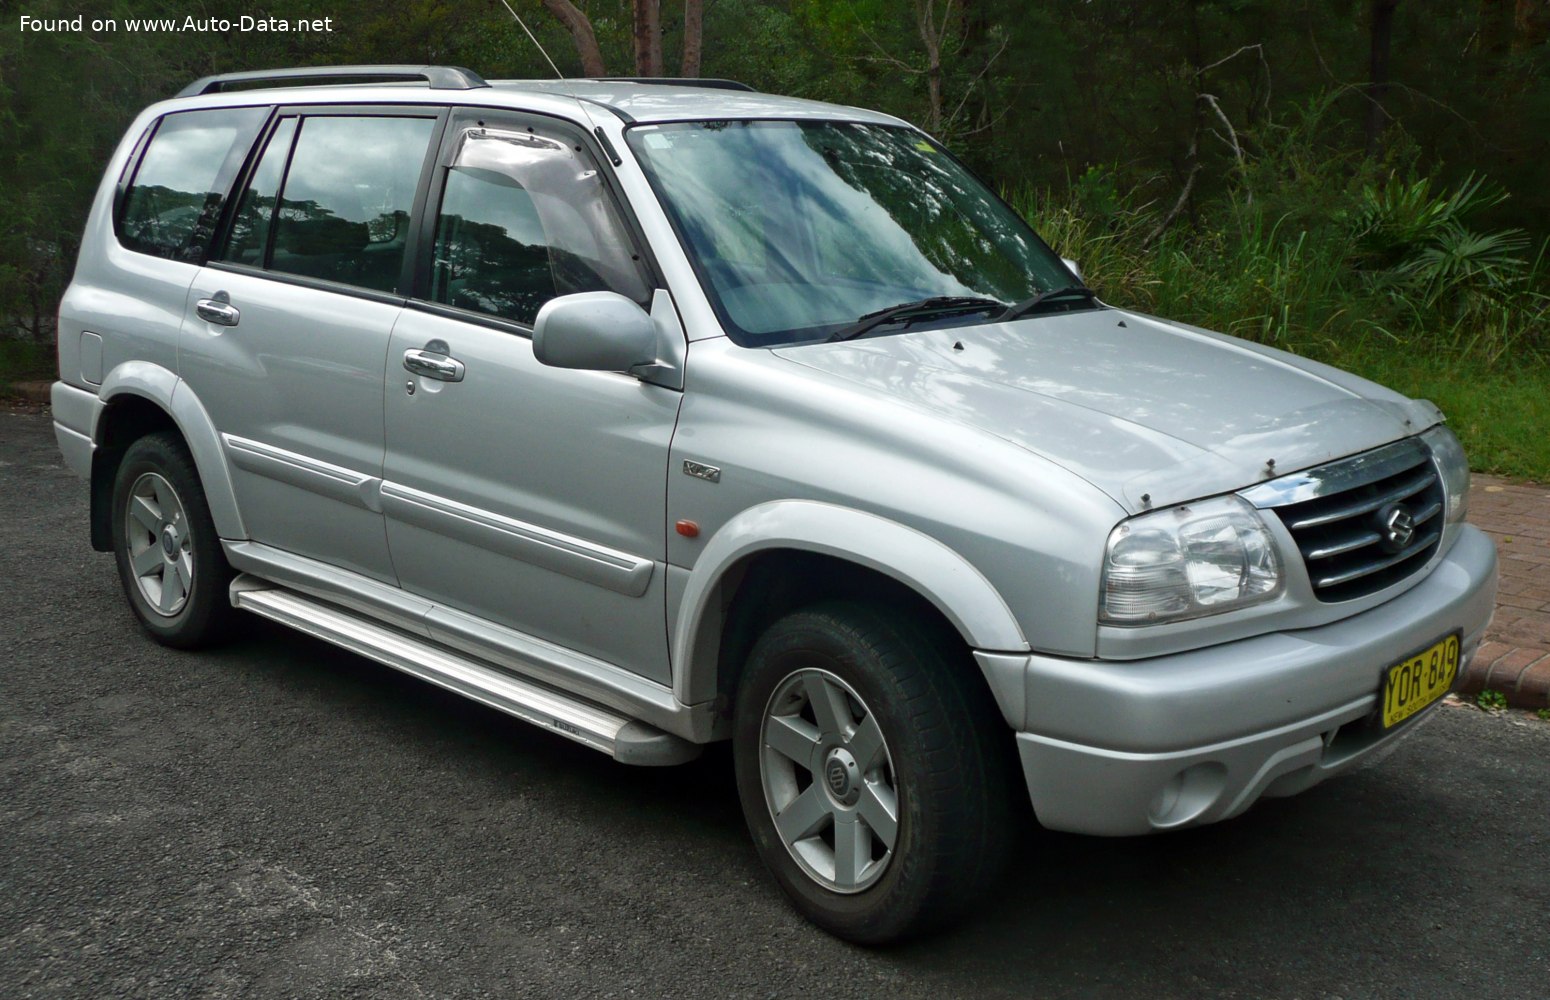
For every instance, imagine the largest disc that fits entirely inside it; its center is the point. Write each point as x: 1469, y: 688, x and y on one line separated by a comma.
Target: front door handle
x: 218, y: 310
x: 436, y: 366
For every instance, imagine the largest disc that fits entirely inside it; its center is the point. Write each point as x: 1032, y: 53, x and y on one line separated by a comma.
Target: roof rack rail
x: 439, y: 77
x: 708, y: 82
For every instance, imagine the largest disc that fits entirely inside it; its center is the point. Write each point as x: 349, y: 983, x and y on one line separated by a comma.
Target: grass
x: 1432, y: 310
x: 1502, y: 417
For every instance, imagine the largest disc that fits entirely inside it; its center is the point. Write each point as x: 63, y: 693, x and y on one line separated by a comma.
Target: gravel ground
x: 278, y: 818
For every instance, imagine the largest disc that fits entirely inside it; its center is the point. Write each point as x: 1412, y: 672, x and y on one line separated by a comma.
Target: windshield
x: 799, y: 229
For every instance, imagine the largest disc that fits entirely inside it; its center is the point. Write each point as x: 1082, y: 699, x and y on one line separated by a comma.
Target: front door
x: 528, y: 496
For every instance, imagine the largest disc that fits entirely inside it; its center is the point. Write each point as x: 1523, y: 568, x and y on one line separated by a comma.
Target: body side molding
x: 575, y: 557
x: 332, y: 481
x: 913, y: 558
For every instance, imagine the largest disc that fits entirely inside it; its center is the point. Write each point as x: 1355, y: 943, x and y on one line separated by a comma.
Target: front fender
x: 178, y: 400
x: 914, y: 559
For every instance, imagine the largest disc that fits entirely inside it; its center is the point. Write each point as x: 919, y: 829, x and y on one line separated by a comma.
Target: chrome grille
x: 1349, y: 518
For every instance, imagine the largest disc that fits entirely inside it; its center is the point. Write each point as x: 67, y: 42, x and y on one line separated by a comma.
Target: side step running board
x: 628, y: 741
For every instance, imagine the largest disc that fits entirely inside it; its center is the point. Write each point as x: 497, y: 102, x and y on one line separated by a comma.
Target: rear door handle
x: 218, y: 310
x: 436, y: 366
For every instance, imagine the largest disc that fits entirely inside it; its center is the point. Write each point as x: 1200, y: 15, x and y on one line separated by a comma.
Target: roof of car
x: 680, y: 101
x: 630, y: 99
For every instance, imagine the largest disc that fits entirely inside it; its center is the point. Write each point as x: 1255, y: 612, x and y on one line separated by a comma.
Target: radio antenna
x: 567, y: 91
x: 536, y: 43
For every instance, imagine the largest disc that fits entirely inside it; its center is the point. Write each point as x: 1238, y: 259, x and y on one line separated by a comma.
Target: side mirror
x: 1074, y: 268
x: 594, y: 331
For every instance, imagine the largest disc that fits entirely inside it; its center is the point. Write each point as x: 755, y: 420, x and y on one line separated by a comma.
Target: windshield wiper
x: 935, y: 305
x: 1027, y: 305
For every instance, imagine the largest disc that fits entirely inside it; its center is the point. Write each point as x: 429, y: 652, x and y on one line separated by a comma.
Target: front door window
x: 525, y: 218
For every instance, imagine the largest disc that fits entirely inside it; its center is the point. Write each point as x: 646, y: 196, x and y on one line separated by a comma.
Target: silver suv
x: 657, y: 414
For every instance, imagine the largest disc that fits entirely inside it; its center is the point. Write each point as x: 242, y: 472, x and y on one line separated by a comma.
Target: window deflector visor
x: 567, y: 193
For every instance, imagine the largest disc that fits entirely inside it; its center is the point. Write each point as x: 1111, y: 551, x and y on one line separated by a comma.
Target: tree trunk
x: 580, y: 28
x: 694, y: 16
x: 648, y: 38
x: 925, y: 20
x: 1378, y: 73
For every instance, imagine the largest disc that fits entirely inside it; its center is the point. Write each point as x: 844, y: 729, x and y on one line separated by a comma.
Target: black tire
x: 948, y: 755
x: 204, y: 614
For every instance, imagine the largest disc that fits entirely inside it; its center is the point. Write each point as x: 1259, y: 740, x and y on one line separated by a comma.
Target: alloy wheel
x: 160, y: 545
x: 829, y: 781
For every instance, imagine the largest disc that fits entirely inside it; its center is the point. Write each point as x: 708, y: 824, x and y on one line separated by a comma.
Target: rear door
x: 527, y: 496
x: 286, y: 334
x: 166, y: 208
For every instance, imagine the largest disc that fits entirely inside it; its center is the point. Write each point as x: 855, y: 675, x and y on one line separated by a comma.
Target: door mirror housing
x: 594, y: 331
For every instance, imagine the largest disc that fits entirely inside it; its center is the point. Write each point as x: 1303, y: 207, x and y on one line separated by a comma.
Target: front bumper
x: 1117, y: 748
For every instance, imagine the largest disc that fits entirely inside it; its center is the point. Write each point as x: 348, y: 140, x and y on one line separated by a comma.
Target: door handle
x: 218, y: 310
x: 436, y: 366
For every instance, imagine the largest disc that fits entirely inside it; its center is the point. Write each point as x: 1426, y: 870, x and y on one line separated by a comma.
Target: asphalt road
x: 277, y: 818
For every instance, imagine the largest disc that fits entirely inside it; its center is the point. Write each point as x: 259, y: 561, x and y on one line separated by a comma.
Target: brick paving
x: 1515, y: 657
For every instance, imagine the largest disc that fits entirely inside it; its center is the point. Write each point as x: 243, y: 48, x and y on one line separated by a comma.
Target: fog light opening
x: 1187, y: 795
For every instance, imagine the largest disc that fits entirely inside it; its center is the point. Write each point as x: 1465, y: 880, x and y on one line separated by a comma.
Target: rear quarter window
x: 174, y: 199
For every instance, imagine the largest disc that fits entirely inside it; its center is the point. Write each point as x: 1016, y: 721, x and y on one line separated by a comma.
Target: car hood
x: 1149, y: 411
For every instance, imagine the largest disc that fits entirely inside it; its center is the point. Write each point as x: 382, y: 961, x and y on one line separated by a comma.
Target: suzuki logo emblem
x: 1397, y: 525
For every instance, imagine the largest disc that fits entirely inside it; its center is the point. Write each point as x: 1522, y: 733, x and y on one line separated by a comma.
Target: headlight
x: 1183, y: 562
x: 1454, y: 467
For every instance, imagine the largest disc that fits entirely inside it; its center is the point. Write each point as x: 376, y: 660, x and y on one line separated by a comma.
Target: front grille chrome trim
x: 1406, y: 489
x: 1427, y: 514
x: 1338, y: 476
x: 1340, y: 515
x: 1371, y: 568
x: 1360, y: 541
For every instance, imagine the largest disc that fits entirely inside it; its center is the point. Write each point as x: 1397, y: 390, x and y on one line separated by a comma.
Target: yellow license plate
x: 1417, y: 681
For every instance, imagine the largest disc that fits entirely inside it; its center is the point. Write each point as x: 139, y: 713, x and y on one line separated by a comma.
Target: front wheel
x: 872, y: 771
x: 169, y: 556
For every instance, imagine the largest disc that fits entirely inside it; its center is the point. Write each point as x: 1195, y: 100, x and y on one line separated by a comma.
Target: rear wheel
x: 169, y: 556
x: 872, y: 771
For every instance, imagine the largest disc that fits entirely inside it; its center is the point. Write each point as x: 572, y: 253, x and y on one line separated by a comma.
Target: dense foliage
x: 1332, y: 175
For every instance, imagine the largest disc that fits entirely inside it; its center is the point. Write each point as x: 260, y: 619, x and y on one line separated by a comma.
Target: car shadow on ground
x: 1270, y: 895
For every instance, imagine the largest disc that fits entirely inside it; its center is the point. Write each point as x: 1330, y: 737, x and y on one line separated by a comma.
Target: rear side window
x: 525, y: 218
x: 344, y: 209
x: 172, y: 204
